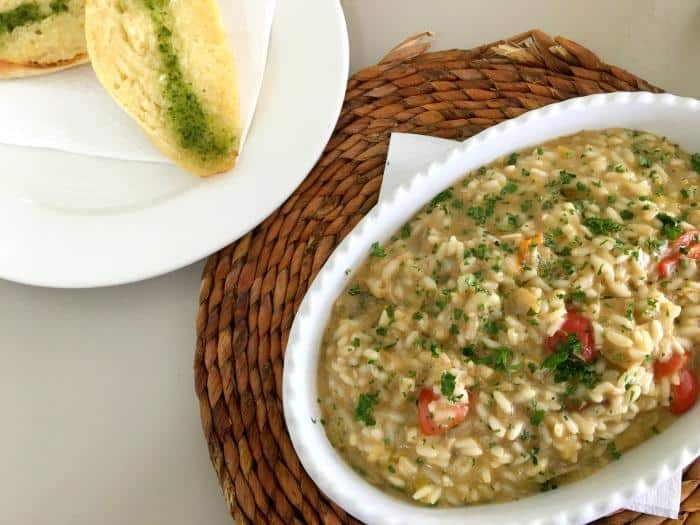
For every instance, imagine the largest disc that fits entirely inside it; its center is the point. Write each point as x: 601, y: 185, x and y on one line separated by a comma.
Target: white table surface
x: 101, y: 422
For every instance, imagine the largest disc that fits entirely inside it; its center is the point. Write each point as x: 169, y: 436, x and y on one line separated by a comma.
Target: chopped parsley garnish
x: 498, y: 358
x: 390, y: 311
x: 510, y: 225
x: 536, y: 417
x: 620, y: 168
x: 565, y: 177
x: 480, y: 252
x: 539, y: 151
x: 405, y: 231
x: 510, y: 187
x: 512, y: 159
x: 356, y: 342
x: 601, y: 226
x: 480, y: 213
x: 454, y: 329
x: 477, y: 213
x: 612, y: 199
x: 382, y: 331
x: 524, y: 172
x: 417, y: 316
x: 365, y: 408
x: 653, y: 245
x: 354, y: 290
x: 568, y: 366
x: 493, y: 327
x: 577, y: 296
x: 440, y: 198
x: 377, y: 251
x: 447, y: 386
x: 548, y: 485
x: 670, y: 229
x: 627, y: 215
x: 457, y: 314
x: 644, y: 161
x: 469, y: 351
x: 612, y: 448
x: 695, y: 162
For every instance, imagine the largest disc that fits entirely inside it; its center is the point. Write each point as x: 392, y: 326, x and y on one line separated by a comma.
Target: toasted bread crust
x: 10, y: 70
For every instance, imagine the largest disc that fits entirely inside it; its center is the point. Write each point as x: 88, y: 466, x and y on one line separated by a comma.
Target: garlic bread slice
x: 167, y: 63
x: 41, y: 36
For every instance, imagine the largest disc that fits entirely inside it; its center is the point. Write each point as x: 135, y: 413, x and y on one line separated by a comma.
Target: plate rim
x: 69, y: 272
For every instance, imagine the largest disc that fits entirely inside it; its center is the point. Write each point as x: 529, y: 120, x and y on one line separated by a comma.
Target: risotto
x: 528, y: 326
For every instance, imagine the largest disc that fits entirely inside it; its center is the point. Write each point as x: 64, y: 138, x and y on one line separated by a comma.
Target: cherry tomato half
x: 684, y: 394
x: 685, y: 240
x: 672, y: 365
x: 428, y: 425
x: 668, y: 265
x: 688, y: 240
x: 579, y: 325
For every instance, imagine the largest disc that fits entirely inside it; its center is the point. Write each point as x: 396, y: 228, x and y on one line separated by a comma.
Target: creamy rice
x: 528, y: 326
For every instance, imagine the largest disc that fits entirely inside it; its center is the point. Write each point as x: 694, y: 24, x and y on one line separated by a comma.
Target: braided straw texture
x: 251, y: 289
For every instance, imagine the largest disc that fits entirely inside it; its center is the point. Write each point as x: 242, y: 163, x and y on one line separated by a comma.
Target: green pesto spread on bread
x: 29, y: 13
x: 169, y: 66
x: 195, y: 129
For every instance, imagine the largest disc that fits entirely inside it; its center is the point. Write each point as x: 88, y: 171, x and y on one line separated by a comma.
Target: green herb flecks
x: 448, y: 383
x: 614, y: 453
x: 670, y: 229
x: 565, y: 177
x: 601, y: 226
x: 440, y: 198
x: 695, y: 162
x: 498, y: 358
x: 536, y: 417
x: 376, y: 250
x: 548, y: 485
x: 364, y: 411
x: 577, y: 296
x: 568, y: 366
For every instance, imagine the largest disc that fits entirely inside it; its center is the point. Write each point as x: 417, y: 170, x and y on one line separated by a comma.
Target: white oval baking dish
x: 605, y: 491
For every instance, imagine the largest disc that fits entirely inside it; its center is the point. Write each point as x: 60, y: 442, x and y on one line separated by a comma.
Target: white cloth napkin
x: 409, y: 154
x: 69, y: 111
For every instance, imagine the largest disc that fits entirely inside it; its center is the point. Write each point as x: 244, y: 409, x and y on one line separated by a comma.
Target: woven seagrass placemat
x: 251, y: 289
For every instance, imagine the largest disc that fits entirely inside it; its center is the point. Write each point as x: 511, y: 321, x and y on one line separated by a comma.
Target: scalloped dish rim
x: 588, y: 499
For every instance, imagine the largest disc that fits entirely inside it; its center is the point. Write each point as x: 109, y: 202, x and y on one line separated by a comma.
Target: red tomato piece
x: 684, y: 394
x: 579, y: 325
x: 668, y: 265
x: 672, y: 365
x: 688, y: 240
x: 694, y: 252
x: 685, y: 240
x: 428, y: 425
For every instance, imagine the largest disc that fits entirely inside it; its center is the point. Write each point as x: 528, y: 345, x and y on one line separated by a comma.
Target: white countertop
x: 102, y: 424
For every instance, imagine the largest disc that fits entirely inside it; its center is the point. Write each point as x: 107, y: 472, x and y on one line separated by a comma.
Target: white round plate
x: 73, y: 221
